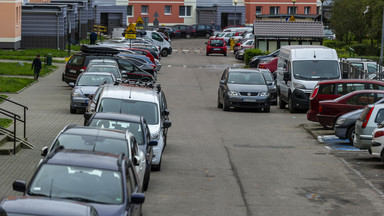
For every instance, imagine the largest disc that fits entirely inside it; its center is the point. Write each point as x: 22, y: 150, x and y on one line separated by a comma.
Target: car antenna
x: 314, y: 54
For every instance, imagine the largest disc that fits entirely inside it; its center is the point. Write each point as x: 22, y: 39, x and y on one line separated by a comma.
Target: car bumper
x: 300, y: 99
x: 70, y: 77
x: 376, y: 149
x: 341, y: 132
x: 248, y: 102
x: 362, y: 141
x: 79, y: 102
x: 326, y: 120
x: 217, y: 51
x: 312, y: 115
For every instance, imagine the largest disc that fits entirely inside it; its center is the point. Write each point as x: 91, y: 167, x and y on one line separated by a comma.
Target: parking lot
x: 241, y: 162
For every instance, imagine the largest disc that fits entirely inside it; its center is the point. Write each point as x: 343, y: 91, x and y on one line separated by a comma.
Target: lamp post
x: 322, y: 14
x: 293, y: 9
x: 235, y: 2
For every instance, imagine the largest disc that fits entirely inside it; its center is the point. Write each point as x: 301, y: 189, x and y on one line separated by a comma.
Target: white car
x: 377, y: 144
x: 226, y: 36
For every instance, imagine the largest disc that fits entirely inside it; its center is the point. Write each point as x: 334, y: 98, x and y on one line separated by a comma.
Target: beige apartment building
x: 10, y: 22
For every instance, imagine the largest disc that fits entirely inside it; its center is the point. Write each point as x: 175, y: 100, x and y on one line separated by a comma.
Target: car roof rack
x: 139, y: 83
x: 95, y: 49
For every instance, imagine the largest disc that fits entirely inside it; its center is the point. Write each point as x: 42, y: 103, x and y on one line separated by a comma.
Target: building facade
x: 10, y: 23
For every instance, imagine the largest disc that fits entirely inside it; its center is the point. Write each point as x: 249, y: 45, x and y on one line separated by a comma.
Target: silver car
x: 86, y: 84
x: 106, y: 68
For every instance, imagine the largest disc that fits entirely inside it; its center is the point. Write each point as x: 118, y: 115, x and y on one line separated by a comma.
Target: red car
x: 330, y: 110
x: 331, y: 89
x: 270, y: 64
x: 216, y: 45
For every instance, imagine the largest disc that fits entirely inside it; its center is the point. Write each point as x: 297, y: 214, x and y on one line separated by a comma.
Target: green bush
x: 249, y: 53
x: 334, y: 44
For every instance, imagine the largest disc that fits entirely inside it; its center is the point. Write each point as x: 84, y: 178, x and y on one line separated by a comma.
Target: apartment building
x: 10, y: 23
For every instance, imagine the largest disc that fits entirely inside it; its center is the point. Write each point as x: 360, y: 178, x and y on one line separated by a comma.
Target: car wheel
x: 156, y: 167
x: 146, y: 179
x: 281, y: 103
x: 225, y: 106
x: 219, y: 105
x: 382, y: 156
x: 145, y: 79
x: 267, y: 109
x: 291, y: 105
x: 207, y: 35
x: 351, y: 134
x: 164, y: 52
x: 188, y: 36
x: 72, y: 110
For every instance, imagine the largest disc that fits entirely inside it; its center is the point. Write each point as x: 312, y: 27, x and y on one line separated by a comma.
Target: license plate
x: 249, y: 100
x: 216, y: 49
x: 72, y: 71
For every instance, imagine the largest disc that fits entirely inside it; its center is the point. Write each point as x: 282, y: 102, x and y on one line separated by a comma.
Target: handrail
x: 13, y: 102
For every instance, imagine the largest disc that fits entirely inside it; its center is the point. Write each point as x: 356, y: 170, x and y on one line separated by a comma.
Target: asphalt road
x: 243, y: 162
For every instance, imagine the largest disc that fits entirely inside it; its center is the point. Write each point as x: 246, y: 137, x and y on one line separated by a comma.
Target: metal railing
x: 15, y: 118
x: 350, y: 71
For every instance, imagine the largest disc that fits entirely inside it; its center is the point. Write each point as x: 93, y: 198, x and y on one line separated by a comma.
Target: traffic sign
x: 130, y: 29
x: 139, y: 20
x: 292, y: 19
x: 130, y: 36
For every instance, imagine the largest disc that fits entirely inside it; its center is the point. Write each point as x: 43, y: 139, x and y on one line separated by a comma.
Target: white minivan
x: 299, y: 69
x: 155, y: 38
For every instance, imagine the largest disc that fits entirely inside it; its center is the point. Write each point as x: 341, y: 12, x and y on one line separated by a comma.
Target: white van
x: 299, y: 69
x: 155, y: 38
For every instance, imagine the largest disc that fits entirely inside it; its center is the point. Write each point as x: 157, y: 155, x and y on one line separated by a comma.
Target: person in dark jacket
x: 36, y: 65
x: 93, y: 38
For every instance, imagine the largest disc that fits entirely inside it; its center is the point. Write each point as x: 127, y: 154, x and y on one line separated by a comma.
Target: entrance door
x: 224, y: 20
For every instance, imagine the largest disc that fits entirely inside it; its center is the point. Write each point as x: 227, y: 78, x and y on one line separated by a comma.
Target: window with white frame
x: 167, y: 9
x: 258, y: 10
x: 130, y: 10
x: 307, y: 10
x: 144, y: 9
x: 274, y: 10
x: 185, y: 11
x: 292, y: 10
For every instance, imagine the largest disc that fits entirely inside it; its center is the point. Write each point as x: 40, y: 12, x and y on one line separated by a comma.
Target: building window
x: 144, y: 9
x: 292, y: 10
x: 185, y: 11
x: 167, y: 9
x: 258, y: 10
x: 307, y: 10
x: 274, y: 10
x: 130, y: 10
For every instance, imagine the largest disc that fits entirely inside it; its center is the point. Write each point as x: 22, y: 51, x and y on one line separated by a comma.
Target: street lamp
x: 322, y: 14
x: 235, y: 2
x: 293, y: 9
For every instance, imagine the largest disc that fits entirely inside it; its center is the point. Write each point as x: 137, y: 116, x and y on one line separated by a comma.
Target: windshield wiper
x: 39, y: 194
x: 81, y: 199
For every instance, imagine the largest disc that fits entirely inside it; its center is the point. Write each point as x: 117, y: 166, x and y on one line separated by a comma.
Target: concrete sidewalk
x: 48, y: 112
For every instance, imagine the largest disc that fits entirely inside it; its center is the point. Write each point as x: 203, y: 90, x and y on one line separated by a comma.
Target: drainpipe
x: 57, y: 31
x: 80, y: 33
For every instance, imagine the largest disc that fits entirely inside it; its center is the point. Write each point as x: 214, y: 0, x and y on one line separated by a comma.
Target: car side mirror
x: 136, y: 160
x: 152, y: 143
x: 166, y: 112
x: 287, y: 76
x: 72, y: 84
x: 90, y: 96
x: 137, y: 198
x: 44, y: 151
x: 19, y: 186
x: 222, y: 81
x: 167, y: 124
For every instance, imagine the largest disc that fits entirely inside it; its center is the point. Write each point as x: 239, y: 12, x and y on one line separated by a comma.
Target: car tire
x: 164, y: 52
x: 351, y: 134
x: 281, y: 103
x: 146, y: 179
x: 207, y: 36
x: 72, y: 110
x: 382, y: 156
x: 225, y: 106
x: 188, y: 36
x: 156, y: 167
x: 267, y: 109
x: 219, y: 105
x: 290, y: 105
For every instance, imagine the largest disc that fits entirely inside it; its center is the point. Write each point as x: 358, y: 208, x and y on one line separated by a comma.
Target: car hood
x: 247, y: 88
x: 352, y: 115
x: 86, y: 90
x: 110, y: 210
x: 154, y: 128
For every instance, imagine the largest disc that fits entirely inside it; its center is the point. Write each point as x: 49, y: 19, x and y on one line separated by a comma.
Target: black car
x: 271, y: 82
x: 184, y: 31
x: 106, y: 181
x: 78, y: 63
x: 201, y: 30
x: 26, y: 206
x: 243, y: 88
x: 254, y: 62
x: 134, y: 124
x: 170, y: 30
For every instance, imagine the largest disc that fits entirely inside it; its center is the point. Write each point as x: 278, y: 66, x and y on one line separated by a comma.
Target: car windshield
x: 94, y: 80
x: 221, y: 34
x: 147, y: 109
x: 100, y: 68
x: 316, y: 70
x: 134, y: 128
x: 268, y: 76
x: 217, y: 42
x: 92, y: 143
x: 246, y: 78
x: 82, y: 184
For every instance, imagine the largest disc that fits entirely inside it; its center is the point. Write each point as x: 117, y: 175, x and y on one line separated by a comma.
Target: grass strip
x: 5, y: 122
x: 14, y: 68
x: 12, y: 84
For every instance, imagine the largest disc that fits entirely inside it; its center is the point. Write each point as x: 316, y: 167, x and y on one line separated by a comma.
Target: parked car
x: 158, y: 40
x: 216, y: 45
x: 134, y: 124
x: 254, y: 62
x: 184, y: 31
x: 226, y: 36
x: 202, y: 30
x: 330, y: 110
x: 243, y: 88
x: 332, y: 89
x: 271, y: 85
x: 92, y: 177
x: 269, y: 63
x: 107, y: 69
x: 143, y: 101
x: 364, y: 65
x: 369, y: 119
x: 243, y: 44
x: 24, y: 206
x: 328, y: 34
x: 240, y: 53
x: 377, y: 143
x: 102, y: 140
x: 102, y: 62
x: 170, y: 30
x: 86, y: 84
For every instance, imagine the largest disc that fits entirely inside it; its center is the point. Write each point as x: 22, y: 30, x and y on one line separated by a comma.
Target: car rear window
x: 380, y: 116
x: 76, y: 60
x: 327, y: 89
x: 364, y: 113
x: 217, y: 42
x: 345, y: 88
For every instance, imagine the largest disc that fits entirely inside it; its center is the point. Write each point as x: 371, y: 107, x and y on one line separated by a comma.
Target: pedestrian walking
x: 93, y: 37
x: 36, y: 65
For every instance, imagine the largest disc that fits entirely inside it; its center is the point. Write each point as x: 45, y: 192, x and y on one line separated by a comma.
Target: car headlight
x: 155, y: 136
x: 233, y: 93
x: 298, y: 85
x: 340, y: 121
x: 76, y: 94
x: 264, y: 94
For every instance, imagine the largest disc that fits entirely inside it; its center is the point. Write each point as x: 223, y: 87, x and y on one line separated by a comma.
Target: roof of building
x: 288, y: 29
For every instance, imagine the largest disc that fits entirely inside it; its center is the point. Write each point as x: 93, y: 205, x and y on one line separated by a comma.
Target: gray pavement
x: 48, y: 113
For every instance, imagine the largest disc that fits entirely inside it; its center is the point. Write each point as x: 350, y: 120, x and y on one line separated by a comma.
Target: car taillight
x: 378, y: 134
x: 320, y: 109
x: 262, y: 66
x: 177, y: 31
x: 194, y: 30
x: 84, y: 67
x: 314, y: 93
x: 366, y: 119
x: 238, y: 44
